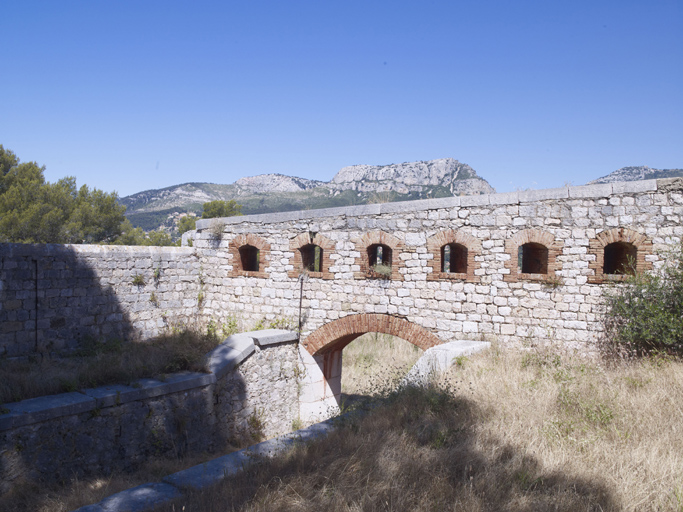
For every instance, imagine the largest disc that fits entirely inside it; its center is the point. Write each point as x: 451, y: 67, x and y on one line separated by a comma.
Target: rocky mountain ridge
x: 636, y: 173
x: 356, y: 184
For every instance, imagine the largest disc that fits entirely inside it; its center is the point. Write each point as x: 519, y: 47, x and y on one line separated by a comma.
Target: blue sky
x: 129, y: 96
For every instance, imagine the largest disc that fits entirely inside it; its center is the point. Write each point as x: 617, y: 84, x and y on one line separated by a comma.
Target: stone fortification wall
x: 52, y: 296
x: 492, y: 298
x: 251, y: 393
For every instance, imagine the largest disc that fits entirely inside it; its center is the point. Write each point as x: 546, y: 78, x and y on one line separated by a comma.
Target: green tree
x: 130, y: 235
x: 187, y: 223
x: 160, y: 238
x: 136, y: 236
x: 35, y: 211
x: 218, y: 208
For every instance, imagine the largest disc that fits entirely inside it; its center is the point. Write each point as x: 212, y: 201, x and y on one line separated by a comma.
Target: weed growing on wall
x: 645, y: 313
x: 381, y: 270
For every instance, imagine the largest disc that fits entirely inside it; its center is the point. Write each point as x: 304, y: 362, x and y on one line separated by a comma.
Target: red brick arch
x: 339, y: 333
x: 597, y: 247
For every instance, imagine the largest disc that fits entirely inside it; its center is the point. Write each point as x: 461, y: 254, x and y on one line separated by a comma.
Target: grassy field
x: 506, y: 430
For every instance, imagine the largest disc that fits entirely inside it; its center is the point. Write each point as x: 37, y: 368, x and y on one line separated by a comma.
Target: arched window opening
x: 379, y: 259
x: 454, y: 259
x: 311, y: 257
x: 532, y: 258
x: 620, y: 258
x: 249, y: 257
x: 379, y: 254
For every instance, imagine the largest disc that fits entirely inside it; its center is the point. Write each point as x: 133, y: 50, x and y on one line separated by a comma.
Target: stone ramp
x: 437, y: 360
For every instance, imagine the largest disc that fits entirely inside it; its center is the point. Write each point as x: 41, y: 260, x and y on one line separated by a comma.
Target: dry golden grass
x: 506, y: 430
x: 98, y: 364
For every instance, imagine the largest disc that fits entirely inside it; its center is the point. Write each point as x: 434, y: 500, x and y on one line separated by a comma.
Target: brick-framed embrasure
x: 535, y: 236
x: 435, y: 244
x: 373, y: 238
x: 263, y: 251
x: 597, y: 247
x: 337, y: 334
x: 304, y: 239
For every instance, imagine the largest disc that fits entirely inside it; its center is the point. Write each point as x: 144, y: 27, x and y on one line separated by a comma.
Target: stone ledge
x: 271, y: 336
x: 229, y: 354
x: 439, y: 359
x: 632, y: 187
x: 44, y: 408
x: 138, y: 499
x: 530, y: 196
x: 601, y: 190
x: 210, y: 473
x: 48, y: 250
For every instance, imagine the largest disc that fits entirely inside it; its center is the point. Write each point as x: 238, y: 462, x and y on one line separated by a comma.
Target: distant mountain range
x: 638, y: 173
x: 356, y: 184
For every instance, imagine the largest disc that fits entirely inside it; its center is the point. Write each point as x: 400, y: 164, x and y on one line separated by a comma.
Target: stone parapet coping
x: 526, y: 196
x: 47, y: 250
x: 225, y: 357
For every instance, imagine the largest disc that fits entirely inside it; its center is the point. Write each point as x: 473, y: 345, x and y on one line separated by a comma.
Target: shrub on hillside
x: 645, y: 313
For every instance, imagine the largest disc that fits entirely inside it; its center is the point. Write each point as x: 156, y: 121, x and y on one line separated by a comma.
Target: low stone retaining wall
x: 250, y: 392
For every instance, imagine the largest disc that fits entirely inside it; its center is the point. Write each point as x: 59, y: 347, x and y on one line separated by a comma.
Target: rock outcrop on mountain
x: 638, y: 173
x: 458, y: 178
x: 271, y: 183
x: 356, y: 184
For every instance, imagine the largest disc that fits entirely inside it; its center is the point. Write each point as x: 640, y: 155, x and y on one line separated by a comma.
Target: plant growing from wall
x: 229, y: 327
x: 645, y: 313
x: 216, y: 229
x: 552, y: 282
x: 138, y: 280
x: 256, y: 425
x: 382, y: 271
x: 154, y: 300
x: 157, y: 274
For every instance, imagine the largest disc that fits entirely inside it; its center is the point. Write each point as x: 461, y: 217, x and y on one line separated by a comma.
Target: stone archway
x: 334, y: 336
x: 321, y: 354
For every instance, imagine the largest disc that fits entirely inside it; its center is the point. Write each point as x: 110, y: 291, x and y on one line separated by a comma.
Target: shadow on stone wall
x: 52, y: 300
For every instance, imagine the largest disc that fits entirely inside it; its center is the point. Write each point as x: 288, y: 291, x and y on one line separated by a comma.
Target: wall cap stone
x: 272, y: 336
x: 580, y: 191
x: 44, y: 408
x: 138, y: 499
x: 229, y: 354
